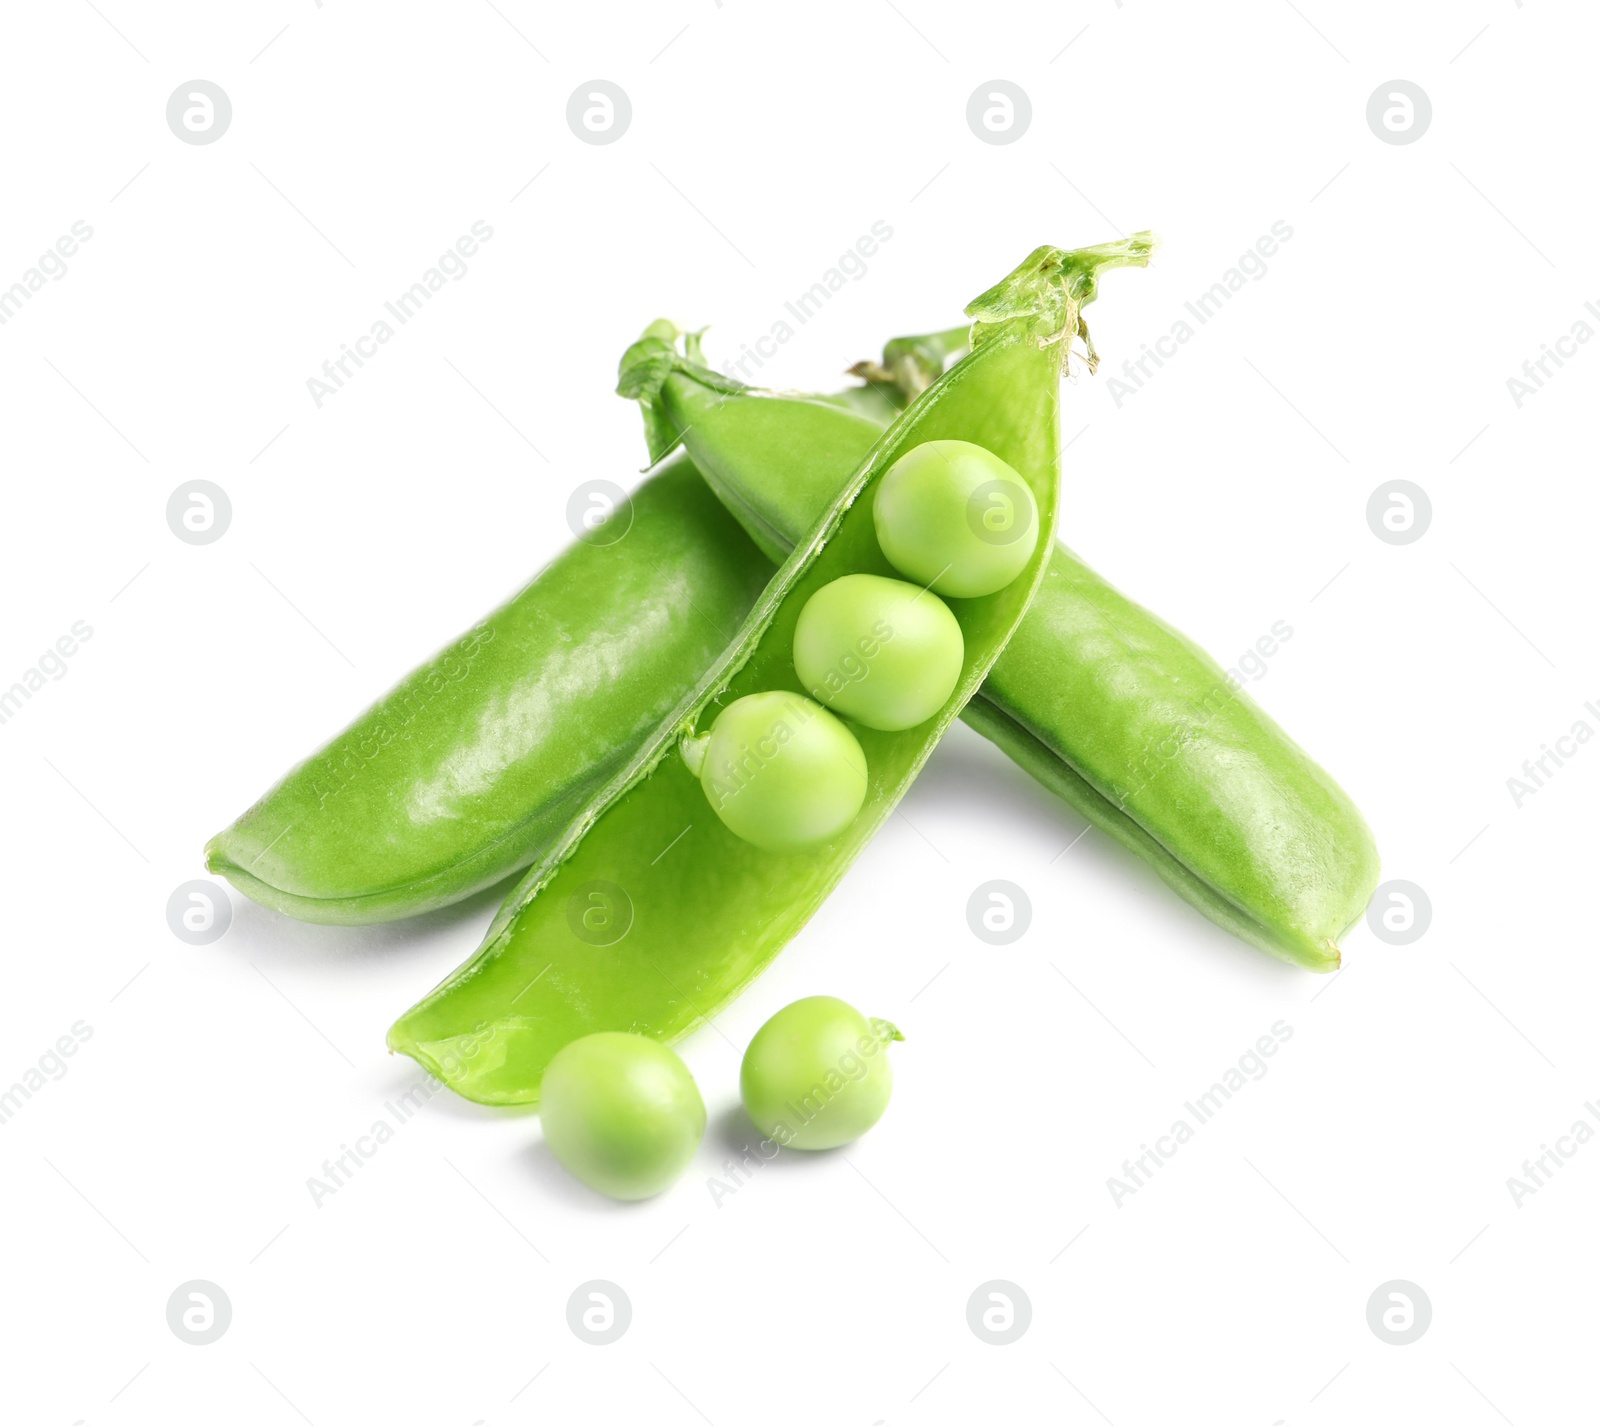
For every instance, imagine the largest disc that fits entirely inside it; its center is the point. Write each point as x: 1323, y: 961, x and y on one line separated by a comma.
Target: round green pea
x: 956, y: 518
x: 780, y: 771
x: 878, y: 650
x: 817, y: 1074
x: 621, y: 1112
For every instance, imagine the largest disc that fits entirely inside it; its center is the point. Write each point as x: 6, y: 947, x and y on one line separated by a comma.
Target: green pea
x: 878, y: 650
x: 622, y: 1113
x: 956, y: 518
x: 817, y: 1074
x: 780, y: 771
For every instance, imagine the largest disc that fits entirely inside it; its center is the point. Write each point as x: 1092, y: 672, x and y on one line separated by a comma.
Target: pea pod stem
x: 886, y: 1031
x: 910, y: 365
x: 693, y: 751
x: 1050, y: 282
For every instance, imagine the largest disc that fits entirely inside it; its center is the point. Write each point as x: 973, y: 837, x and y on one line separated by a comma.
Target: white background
x: 1227, y: 494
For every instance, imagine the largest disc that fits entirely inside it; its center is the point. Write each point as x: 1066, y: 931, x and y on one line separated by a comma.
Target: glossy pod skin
x: 479, y: 759
x: 688, y: 912
x: 1144, y: 735
x: 1108, y: 706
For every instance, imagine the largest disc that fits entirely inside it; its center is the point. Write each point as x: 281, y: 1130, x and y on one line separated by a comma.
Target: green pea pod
x: 650, y: 914
x: 1109, y: 707
x: 479, y: 759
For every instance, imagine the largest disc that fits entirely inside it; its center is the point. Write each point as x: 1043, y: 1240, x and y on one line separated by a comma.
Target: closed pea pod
x: 480, y: 758
x: 709, y: 909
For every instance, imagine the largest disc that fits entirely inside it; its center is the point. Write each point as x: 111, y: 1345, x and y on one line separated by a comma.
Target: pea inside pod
x: 956, y: 518
x: 879, y: 651
x: 702, y: 910
x: 780, y: 771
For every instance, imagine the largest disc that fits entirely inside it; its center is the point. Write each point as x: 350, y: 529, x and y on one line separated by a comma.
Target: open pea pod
x: 650, y: 914
x: 478, y: 760
x: 1107, y: 705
